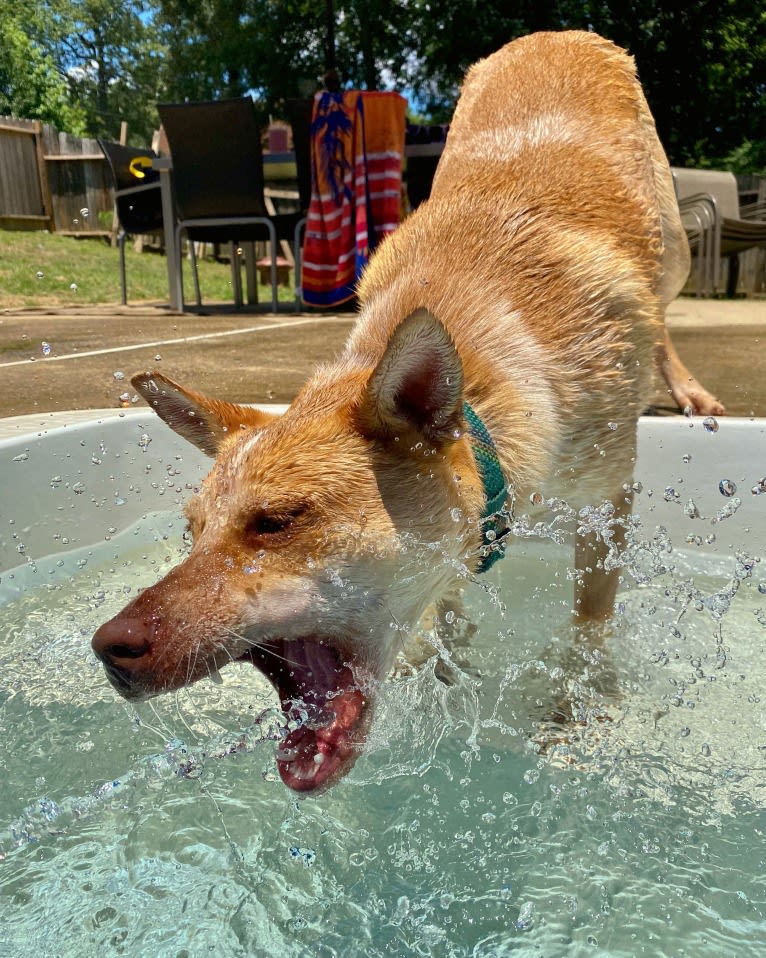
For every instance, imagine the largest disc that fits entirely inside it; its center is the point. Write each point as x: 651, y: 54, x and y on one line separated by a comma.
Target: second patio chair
x: 725, y: 229
x: 218, y: 182
x: 137, y: 197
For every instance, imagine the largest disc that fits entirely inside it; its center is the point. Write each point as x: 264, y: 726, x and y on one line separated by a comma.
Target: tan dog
x: 532, y: 286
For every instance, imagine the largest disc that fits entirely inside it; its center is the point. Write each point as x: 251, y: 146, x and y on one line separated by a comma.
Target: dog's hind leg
x: 688, y: 393
x: 686, y: 390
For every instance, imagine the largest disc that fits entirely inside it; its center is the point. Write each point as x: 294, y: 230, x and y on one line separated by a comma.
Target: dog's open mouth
x: 319, y: 692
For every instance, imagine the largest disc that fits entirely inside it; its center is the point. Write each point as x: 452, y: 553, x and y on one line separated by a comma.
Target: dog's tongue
x: 316, y: 752
x: 321, y: 692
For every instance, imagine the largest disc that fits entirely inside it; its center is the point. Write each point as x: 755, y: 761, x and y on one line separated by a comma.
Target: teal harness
x: 494, y: 527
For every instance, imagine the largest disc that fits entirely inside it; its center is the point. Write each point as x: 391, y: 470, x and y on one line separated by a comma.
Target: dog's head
x: 318, y: 536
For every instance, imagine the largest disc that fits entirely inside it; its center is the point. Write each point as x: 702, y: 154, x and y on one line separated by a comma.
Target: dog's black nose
x: 123, y: 645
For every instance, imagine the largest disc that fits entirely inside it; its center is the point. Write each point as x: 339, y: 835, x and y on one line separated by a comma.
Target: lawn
x: 43, y: 269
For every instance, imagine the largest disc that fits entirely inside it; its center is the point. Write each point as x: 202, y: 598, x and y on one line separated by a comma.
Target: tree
x: 30, y: 84
x: 113, y: 60
x: 702, y: 63
x: 703, y: 66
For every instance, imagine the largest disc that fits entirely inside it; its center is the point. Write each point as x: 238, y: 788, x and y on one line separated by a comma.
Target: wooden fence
x: 53, y: 181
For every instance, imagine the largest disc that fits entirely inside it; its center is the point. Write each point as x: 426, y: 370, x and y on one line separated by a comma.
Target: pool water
x: 476, y: 824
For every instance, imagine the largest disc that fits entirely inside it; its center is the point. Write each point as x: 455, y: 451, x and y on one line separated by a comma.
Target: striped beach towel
x: 357, y: 145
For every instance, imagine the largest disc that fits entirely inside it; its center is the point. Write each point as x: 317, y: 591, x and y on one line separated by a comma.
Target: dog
x: 507, y: 339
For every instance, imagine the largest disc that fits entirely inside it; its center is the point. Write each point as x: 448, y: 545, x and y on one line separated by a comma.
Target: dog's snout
x: 123, y: 645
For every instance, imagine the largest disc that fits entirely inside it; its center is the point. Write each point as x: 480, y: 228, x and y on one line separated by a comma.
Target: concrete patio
x: 80, y: 358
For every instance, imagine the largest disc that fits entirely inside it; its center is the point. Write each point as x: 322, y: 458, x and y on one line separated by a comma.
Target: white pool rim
x: 72, y: 479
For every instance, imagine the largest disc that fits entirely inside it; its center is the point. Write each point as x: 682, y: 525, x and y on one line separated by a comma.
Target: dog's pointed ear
x: 417, y: 385
x: 205, y: 422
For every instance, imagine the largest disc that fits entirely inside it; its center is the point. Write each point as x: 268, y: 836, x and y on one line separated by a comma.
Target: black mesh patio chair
x: 138, y: 199
x: 218, y: 182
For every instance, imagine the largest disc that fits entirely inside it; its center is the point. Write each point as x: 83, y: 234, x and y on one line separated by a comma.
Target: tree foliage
x: 30, y: 84
x: 97, y: 62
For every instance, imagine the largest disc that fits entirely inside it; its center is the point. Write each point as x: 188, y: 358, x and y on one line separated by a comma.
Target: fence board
x: 80, y: 183
x: 21, y: 198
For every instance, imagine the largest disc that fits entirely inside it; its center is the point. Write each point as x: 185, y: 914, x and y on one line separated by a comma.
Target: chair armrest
x: 143, y: 188
x: 753, y: 211
x: 703, y: 204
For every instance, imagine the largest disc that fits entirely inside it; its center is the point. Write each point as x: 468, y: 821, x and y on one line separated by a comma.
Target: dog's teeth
x: 215, y: 676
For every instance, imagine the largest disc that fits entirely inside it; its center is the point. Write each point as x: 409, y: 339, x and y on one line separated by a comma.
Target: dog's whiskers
x: 261, y: 646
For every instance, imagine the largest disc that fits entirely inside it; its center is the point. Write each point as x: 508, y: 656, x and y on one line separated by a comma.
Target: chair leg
x: 733, y: 278
x: 123, y: 280
x: 236, y: 275
x: 274, y: 279
x: 195, y: 272
x: 298, y: 257
x: 180, y: 268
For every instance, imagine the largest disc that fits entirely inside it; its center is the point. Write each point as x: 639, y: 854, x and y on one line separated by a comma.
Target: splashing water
x: 534, y: 790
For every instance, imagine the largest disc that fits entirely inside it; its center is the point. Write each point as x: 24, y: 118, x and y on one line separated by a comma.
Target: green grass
x: 43, y: 269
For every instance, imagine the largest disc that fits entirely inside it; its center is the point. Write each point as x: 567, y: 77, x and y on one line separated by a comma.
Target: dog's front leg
x: 596, y: 550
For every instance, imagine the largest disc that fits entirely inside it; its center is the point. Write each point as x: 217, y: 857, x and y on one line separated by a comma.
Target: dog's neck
x: 494, y: 526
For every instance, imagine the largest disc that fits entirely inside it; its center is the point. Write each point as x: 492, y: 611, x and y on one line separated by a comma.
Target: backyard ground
x: 61, y: 358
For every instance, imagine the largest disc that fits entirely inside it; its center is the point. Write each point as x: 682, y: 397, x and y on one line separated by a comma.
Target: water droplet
x: 118, y: 375
x: 78, y: 488
x: 613, y: 426
x: 143, y: 442
x: 456, y: 514
x: 727, y: 511
x: 688, y: 411
x: 158, y: 358
x: 687, y: 458
x: 525, y: 920
x: 762, y: 588
x: 710, y: 423
x: 40, y: 274
x: 727, y: 488
x: 85, y: 212
x: 705, y: 749
x: 760, y: 487
x: 73, y: 287
x: 536, y: 498
x: 691, y: 510
x: 45, y: 348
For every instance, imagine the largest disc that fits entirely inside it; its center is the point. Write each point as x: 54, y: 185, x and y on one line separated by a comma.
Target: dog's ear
x: 417, y: 385
x: 205, y: 422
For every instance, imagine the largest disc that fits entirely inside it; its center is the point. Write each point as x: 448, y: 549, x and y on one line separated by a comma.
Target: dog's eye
x: 272, y: 523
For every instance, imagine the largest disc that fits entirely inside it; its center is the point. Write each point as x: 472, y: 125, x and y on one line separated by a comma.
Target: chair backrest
x: 138, y: 212
x: 120, y: 157
x: 299, y: 116
x: 217, y: 158
x: 719, y: 184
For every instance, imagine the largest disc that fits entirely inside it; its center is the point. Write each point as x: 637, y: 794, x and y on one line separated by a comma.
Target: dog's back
x: 557, y: 122
x: 541, y: 251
